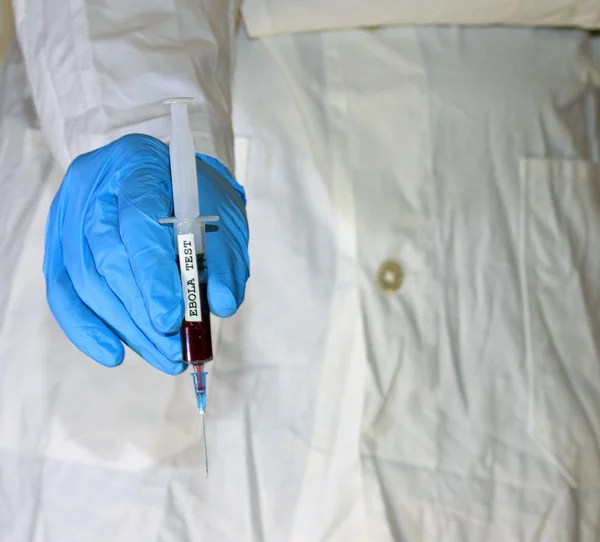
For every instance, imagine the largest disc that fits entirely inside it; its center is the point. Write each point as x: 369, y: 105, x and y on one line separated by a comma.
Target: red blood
x: 196, y: 340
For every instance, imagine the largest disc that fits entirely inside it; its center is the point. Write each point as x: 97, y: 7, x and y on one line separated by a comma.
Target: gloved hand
x: 110, y: 267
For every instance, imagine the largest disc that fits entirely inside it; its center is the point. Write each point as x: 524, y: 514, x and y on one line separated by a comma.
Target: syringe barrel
x: 190, y: 237
x: 183, y: 160
x: 196, y: 340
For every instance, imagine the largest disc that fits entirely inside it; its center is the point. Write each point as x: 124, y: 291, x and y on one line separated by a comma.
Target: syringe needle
x: 200, y: 389
x: 204, y: 442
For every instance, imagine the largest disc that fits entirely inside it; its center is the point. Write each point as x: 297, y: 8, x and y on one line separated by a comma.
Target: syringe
x: 190, y: 232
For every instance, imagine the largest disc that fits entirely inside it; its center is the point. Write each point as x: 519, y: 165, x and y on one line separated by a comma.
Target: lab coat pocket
x: 561, y: 287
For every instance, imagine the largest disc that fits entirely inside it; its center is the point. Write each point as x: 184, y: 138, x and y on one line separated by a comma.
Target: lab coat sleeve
x: 99, y: 69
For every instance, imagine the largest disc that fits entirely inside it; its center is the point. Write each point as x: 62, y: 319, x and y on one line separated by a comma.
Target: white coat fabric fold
x: 87, y: 61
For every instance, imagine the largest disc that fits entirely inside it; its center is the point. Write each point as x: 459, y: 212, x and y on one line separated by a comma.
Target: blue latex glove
x: 110, y: 267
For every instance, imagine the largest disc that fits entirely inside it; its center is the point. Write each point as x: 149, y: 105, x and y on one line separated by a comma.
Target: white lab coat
x: 462, y: 407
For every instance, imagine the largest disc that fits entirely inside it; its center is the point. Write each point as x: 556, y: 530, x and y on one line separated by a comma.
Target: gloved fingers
x: 144, y: 196
x: 100, y: 298
x: 111, y: 261
x: 83, y: 328
x: 96, y: 294
x: 226, y: 248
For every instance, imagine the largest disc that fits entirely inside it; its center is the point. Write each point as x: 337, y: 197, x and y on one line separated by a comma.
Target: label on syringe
x: 188, y: 267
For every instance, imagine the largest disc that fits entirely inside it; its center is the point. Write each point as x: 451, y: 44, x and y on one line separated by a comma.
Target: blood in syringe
x: 196, y: 339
